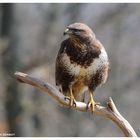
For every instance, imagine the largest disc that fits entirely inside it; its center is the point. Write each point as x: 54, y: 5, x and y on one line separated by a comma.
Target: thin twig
x: 109, y: 112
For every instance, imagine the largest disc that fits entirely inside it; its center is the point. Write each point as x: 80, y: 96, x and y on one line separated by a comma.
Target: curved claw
x: 91, y: 103
x: 72, y: 101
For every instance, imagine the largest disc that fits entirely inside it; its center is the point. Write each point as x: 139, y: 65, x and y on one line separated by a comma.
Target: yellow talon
x: 91, y: 103
x: 71, y: 99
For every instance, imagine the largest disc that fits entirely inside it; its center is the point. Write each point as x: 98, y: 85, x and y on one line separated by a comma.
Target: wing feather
x: 63, y: 76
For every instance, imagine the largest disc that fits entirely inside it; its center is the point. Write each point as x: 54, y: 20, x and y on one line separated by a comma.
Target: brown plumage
x: 81, y: 64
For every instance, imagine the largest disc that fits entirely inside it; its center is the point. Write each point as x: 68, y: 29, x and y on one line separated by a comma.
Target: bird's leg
x: 91, y: 103
x: 71, y: 98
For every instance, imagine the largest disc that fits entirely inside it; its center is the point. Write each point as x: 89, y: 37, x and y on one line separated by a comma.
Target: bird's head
x: 80, y: 31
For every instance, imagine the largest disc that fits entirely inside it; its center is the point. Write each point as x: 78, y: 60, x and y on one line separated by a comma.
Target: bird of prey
x: 81, y: 64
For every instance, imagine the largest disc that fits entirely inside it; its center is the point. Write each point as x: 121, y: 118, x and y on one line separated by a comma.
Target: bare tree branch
x: 109, y: 112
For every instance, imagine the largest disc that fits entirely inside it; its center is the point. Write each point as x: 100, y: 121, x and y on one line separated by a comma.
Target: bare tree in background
x: 30, y: 37
x: 9, y: 57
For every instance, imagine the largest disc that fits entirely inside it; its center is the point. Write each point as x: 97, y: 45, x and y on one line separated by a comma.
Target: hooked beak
x: 67, y: 31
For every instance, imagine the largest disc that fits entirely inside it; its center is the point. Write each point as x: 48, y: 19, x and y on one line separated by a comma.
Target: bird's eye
x: 76, y: 30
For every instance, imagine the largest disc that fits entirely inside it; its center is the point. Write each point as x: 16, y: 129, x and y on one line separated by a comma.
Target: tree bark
x: 110, y: 111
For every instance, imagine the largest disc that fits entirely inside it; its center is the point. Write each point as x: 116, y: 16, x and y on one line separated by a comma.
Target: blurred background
x: 30, y: 37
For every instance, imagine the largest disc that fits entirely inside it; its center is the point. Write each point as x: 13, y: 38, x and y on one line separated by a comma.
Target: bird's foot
x: 72, y: 101
x: 91, y: 105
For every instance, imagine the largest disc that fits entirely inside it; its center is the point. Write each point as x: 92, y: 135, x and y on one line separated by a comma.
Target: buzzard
x: 81, y: 64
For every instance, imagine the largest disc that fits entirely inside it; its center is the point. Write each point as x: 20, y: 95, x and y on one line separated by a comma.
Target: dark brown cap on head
x: 79, y: 26
x: 79, y: 30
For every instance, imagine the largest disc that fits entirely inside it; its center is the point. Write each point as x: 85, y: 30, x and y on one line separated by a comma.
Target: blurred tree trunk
x: 9, y: 57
